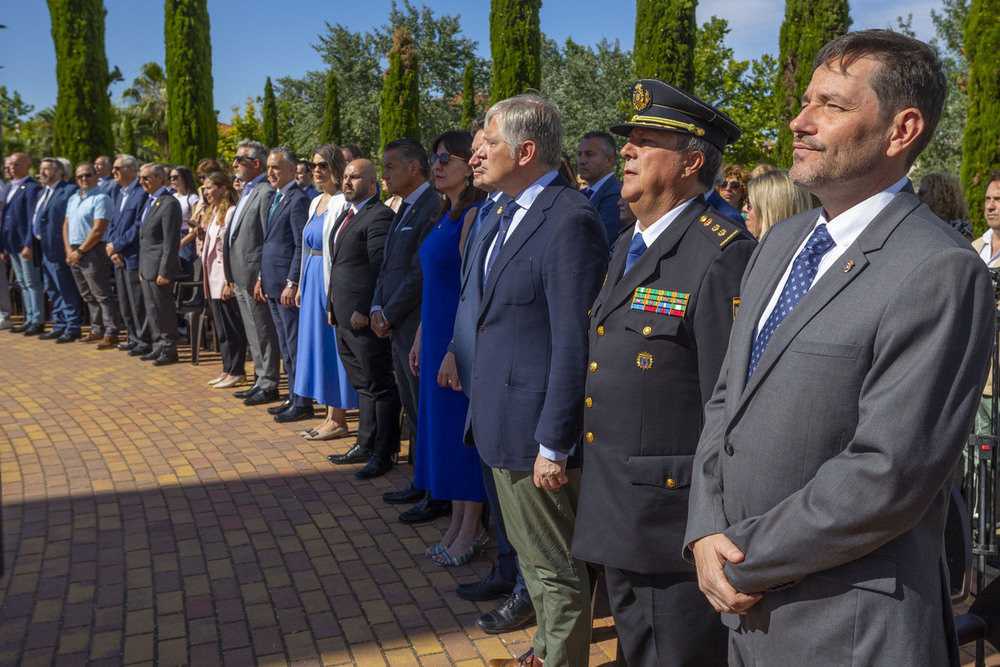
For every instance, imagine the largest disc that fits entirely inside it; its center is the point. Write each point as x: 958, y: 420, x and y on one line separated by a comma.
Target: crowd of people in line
x: 566, y: 351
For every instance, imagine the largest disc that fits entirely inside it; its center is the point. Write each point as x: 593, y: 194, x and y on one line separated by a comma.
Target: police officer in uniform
x: 658, y: 335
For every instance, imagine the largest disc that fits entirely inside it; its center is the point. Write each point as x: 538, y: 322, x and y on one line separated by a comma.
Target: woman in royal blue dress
x: 319, y: 373
x: 446, y: 467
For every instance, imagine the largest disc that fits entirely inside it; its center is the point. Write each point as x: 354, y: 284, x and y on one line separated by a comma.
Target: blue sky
x: 285, y: 32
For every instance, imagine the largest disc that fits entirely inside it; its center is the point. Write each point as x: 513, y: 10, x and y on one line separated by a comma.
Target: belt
x: 315, y: 252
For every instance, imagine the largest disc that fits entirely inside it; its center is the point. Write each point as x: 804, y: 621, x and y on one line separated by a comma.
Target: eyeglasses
x: 323, y: 166
x: 444, y: 158
x: 85, y: 175
x: 735, y: 185
x: 116, y: 168
x: 238, y: 158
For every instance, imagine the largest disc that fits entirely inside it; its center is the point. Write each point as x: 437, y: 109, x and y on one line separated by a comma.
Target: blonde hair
x: 774, y: 197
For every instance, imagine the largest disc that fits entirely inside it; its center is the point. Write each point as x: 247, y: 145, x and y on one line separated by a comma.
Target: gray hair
x: 67, y: 165
x: 258, y: 151
x: 286, y: 154
x: 689, y: 143
x: 54, y: 161
x: 130, y: 162
x: 530, y: 117
x: 156, y: 168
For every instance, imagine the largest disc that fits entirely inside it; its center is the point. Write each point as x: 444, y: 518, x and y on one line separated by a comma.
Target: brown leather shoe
x: 108, y: 343
x: 91, y: 338
x: 527, y: 659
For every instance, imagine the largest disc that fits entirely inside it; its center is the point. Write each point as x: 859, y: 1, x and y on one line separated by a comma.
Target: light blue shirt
x: 81, y: 211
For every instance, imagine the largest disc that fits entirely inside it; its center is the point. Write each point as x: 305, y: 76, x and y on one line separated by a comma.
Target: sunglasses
x: 323, y: 166
x: 444, y: 158
x: 174, y: 177
x: 88, y: 175
x: 240, y: 158
x: 735, y: 185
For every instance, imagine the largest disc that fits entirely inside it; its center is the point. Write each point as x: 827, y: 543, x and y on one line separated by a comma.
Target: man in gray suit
x: 856, y: 360
x: 159, y: 242
x: 244, y: 245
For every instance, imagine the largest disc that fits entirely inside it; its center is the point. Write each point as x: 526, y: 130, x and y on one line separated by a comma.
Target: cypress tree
x: 82, y: 124
x: 516, y: 47
x: 331, y: 111
x: 980, y: 152
x: 192, y: 129
x: 269, y: 124
x: 665, y: 32
x: 468, y: 96
x: 400, y: 117
x: 808, y: 25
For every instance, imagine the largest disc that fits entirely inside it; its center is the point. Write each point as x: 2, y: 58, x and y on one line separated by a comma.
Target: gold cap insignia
x: 640, y: 98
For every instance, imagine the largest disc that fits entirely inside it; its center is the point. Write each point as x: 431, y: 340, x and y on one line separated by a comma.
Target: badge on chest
x: 664, y: 302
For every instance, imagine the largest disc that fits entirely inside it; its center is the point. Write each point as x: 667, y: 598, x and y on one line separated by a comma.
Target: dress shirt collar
x: 411, y: 198
x: 358, y: 205
x: 600, y: 182
x: 651, y: 233
x: 130, y: 188
x: 847, y: 227
x: 530, y: 193
x: 156, y: 195
x: 288, y: 187
x: 252, y: 183
x: 14, y: 185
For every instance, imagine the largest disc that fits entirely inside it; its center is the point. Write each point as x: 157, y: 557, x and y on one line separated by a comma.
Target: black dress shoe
x: 261, y: 396
x: 20, y: 328
x: 138, y: 352
x: 490, y: 587
x: 426, y: 510
x: 34, y: 329
x: 68, y: 337
x: 377, y: 466
x: 245, y: 393
x: 513, y: 614
x: 355, y: 454
x: 408, y: 495
x: 149, y: 356
x: 278, y: 409
x: 294, y: 414
x: 50, y: 335
x: 125, y: 347
x: 165, y: 360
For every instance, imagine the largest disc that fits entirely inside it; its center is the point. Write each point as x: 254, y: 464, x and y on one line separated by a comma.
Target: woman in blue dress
x: 319, y: 371
x: 446, y: 467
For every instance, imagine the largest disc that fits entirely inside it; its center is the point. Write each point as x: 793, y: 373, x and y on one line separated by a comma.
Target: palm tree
x: 143, y: 123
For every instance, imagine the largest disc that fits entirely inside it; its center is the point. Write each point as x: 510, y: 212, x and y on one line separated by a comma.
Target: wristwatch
x: 291, y: 285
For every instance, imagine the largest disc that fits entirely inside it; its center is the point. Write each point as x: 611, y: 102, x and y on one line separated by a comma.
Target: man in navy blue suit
x: 595, y: 159
x: 17, y: 243
x: 541, y: 265
x: 280, y: 266
x: 46, y: 227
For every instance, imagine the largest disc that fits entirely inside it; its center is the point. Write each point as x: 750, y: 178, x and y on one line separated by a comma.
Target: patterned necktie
x: 278, y: 196
x: 42, y: 203
x: 635, y: 250
x: 799, y: 281
x: 505, y: 219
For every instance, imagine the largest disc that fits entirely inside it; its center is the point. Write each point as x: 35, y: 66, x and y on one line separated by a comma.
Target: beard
x: 847, y: 163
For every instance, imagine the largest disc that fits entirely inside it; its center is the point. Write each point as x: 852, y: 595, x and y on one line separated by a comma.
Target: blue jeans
x: 29, y: 277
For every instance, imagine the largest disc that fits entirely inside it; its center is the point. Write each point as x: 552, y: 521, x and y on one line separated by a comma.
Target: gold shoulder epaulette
x: 721, y: 231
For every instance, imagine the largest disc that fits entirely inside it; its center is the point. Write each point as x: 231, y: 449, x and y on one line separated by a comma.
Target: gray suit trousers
x: 262, y: 338
x: 132, y: 307
x: 93, y: 279
x: 161, y: 316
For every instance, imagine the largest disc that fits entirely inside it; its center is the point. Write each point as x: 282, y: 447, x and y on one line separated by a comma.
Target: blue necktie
x: 149, y: 205
x: 36, y: 227
x: 799, y: 281
x: 588, y: 192
x: 505, y: 219
x: 477, y: 224
x: 635, y: 250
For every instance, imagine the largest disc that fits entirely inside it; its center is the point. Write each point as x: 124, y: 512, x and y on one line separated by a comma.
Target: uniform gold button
x: 671, y: 483
x: 590, y: 437
x: 593, y: 366
x: 600, y: 330
x: 589, y: 402
x: 647, y: 330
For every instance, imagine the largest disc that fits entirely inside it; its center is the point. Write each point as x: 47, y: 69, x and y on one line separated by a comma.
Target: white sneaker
x: 5, y: 324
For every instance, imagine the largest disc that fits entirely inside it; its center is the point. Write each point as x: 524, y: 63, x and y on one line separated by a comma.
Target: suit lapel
x: 531, y: 221
x: 829, y: 285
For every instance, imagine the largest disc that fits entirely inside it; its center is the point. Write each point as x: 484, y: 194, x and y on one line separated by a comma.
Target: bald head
x: 359, y: 180
x: 20, y: 165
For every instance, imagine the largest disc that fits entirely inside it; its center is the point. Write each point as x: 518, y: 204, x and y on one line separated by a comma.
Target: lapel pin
x: 848, y: 266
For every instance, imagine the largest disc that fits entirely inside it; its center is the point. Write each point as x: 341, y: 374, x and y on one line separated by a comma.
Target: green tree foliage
x: 808, y: 25
x: 981, y: 148
x: 400, y: 112
x: 665, y: 33
x: 469, y: 107
x: 331, y: 111
x: 13, y: 111
x: 738, y: 88
x: 269, y: 126
x: 192, y: 128
x: 245, y: 126
x: 588, y: 84
x: 83, y: 111
x: 516, y: 47
x: 142, y: 123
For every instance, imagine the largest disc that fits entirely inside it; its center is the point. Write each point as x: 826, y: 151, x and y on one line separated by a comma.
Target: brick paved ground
x: 151, y: 519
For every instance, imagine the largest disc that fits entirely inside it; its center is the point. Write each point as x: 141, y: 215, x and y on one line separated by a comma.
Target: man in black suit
x: 159, y: 242
x: 357, y: 243
x: 540, y: 271
x: 280, y: 267
x: 595, y: 158
x: 47, y: 222
x: 658, y: 334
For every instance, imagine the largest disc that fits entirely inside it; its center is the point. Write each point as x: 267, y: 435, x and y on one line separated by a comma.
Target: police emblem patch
x: 644, y: 361
x: 640, y: 98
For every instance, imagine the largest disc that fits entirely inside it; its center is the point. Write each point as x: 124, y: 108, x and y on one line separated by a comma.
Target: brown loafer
x: 92, y: 337
x: 526, y: 660
x: 108, y: 342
